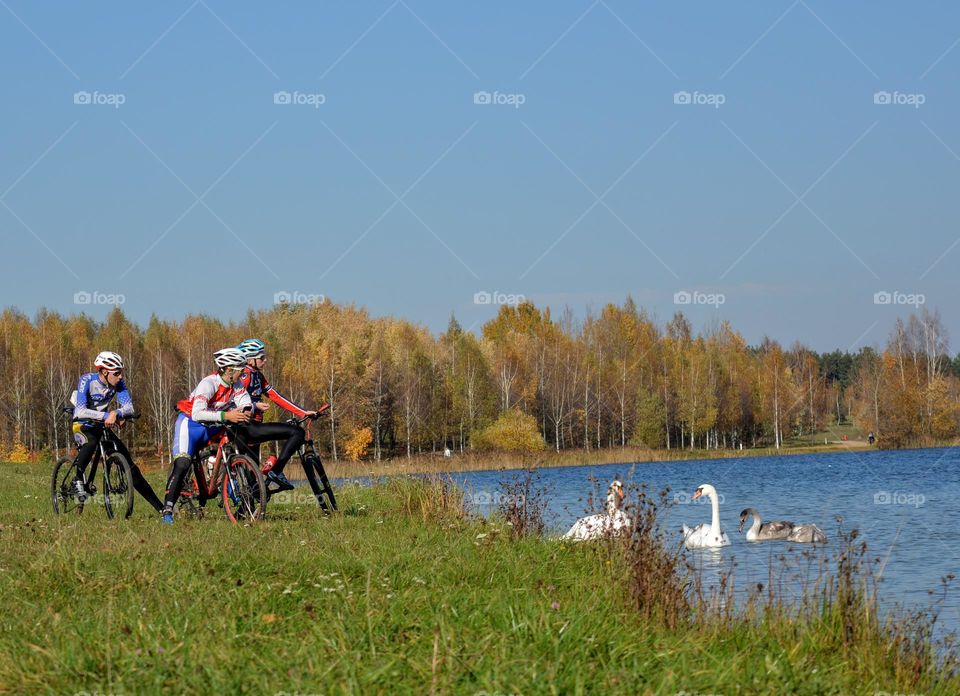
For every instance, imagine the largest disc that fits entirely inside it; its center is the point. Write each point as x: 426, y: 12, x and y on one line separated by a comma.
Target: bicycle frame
x: 225, y: 449
x: 108, y: 437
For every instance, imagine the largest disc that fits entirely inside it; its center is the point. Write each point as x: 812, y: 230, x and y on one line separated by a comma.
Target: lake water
x: 905, y: 503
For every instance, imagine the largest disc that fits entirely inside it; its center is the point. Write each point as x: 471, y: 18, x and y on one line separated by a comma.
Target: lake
x: 905, y: 503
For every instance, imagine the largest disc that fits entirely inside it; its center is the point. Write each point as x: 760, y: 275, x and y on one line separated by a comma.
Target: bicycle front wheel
x: 319, y: 483
x: 63, y: 494
x: 117, y: 486
x: 243, y: 490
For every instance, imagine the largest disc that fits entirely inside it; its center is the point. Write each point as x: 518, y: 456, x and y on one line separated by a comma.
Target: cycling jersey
x: 94, y: 397
x: 257, y: 386
x: 212, y: 397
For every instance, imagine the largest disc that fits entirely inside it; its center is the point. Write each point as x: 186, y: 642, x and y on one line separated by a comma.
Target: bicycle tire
x: 243, y: 491
x: 117, y: 486
x: 62, y: 495
x: 319, y: 483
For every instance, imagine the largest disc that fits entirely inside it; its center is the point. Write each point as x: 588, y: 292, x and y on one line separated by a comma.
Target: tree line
x: 611, y: 379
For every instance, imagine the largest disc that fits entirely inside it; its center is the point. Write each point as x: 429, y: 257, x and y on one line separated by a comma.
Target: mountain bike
x: 117, y: 480
x: 232, y: 476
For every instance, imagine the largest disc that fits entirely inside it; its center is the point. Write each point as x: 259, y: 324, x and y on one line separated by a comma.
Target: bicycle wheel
x: 62, y: 493
x: 319, y: 483
x: 190, y: 497
x: 243, y: 490
x: 117, y: 486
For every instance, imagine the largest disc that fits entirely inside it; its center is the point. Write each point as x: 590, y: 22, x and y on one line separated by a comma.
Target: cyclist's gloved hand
x: 263, y: 405
x: 111, y: 419
x: 236, y: 416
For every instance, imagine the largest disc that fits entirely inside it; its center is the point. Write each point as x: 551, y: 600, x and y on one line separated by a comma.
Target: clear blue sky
x: 493, y: 197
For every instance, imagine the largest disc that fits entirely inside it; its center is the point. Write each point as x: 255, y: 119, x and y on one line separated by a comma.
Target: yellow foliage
x: 358, y: 443
x: 18, y: 454
x: 513, y: 431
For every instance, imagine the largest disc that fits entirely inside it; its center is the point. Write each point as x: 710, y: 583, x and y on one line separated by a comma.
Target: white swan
x: 613, y: 522
x: 782, y: 529
x: 706, y: 536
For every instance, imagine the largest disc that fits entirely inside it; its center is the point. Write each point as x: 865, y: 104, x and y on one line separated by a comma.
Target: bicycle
x: 117, y: 479
x: 312, y: 467
x: 243, y: 494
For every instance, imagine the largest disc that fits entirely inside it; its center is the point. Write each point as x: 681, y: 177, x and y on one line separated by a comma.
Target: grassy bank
x: 401, y: 593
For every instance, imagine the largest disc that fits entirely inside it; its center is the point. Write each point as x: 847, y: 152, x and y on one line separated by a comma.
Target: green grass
x: 833, y: 434
x: 397, y: 594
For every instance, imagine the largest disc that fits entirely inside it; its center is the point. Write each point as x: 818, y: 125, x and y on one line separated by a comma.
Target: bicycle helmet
x: 229, y: 357
x: 109, y: 361
x: 252, y: 348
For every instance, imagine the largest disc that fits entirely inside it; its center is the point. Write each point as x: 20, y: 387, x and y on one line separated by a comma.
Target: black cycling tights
x: 255, y: 433
x: 181, y: 465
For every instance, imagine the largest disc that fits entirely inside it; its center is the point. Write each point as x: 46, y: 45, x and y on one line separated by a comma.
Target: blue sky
x: 783, y: 188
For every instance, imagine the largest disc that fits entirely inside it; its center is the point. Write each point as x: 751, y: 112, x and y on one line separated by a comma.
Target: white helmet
x: 229, y: 357
x: 109, y: 361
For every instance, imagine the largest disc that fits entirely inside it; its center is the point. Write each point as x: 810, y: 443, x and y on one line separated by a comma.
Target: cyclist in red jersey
x: 219, y: 398
x: 256, y: 431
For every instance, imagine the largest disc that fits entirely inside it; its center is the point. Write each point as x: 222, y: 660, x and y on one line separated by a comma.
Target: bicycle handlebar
x: 303, y: 419
x: 132, y: 416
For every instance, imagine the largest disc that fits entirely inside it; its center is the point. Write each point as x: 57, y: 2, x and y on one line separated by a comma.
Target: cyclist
x: 257, y: 431
x: 95, y: 392
x: 219, y: 398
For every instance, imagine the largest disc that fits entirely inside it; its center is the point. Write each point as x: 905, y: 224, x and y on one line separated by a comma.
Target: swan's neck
x: 612, y: 504
x: 755, y: 527
x: 715, y: 520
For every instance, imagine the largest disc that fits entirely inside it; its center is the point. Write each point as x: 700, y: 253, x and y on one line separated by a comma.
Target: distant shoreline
x: 437, y: 464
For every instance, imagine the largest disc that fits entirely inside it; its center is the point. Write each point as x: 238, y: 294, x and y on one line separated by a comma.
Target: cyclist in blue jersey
x: 95, y: 392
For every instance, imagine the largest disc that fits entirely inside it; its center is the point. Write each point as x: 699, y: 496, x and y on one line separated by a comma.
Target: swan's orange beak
x: 697, y: 494
x: 620, y: 493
